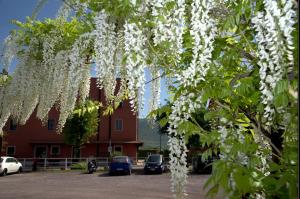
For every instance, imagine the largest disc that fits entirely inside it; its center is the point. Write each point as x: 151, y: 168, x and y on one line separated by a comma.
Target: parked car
x: 155, y: 164
x: 9, y: 165
x: 120, y: 164
x: 203, y: 166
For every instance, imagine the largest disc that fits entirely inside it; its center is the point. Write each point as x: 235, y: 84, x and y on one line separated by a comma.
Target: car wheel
x: 4, y: 173
x: 20, y: 170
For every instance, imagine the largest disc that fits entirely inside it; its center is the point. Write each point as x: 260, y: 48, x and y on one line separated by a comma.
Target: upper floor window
x: 119, y: 125
x: 11, y: 150
x: 12, y: 125
x: 51, y: 124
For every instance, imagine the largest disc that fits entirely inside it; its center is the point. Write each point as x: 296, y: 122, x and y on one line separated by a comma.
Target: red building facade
x: 116, y: 133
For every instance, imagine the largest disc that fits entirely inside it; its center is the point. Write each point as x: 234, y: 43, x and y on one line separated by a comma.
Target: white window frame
x: 14, y: 151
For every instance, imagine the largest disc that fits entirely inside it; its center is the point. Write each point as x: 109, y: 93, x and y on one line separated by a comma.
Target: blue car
x: 120, y: 164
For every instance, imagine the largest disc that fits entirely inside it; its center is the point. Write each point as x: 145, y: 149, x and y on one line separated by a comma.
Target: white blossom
x: 135, y: 41
x: 203, y: 31
x: 170, y: 24
x: 8, y: 52
x: 274, y: 28
x: 105, y: 47
x: 155, y: 89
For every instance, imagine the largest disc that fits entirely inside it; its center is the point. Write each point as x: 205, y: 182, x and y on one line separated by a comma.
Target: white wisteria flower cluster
x: 9, y: 52
x: 68, y: 6
x: 135, y: 41
x: 274, y: 28
x: 181, y: 110
x: 203, y: 32
x: 170, y: 23
x: 105, y: 47
x: 56, y: 81
x: 154, y: 100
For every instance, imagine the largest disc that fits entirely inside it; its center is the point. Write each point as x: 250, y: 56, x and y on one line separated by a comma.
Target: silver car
x: 9, y: 165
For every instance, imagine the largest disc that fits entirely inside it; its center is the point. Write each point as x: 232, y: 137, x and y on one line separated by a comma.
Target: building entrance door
x: 40, y: 151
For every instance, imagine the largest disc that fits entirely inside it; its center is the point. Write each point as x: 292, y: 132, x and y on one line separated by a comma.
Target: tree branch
x: 240, y: 76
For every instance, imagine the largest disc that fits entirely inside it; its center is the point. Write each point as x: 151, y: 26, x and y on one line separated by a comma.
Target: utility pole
x: 159, y: 131
x: 98, y: 134
x: 109, y: 135
x: 160, y: 143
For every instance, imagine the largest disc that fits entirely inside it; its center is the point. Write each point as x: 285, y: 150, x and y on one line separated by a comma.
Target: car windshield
x: 119, y: 159
x: 154, y: 158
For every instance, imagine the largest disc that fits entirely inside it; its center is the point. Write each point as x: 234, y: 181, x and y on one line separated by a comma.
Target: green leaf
x: 242, y: 179
x: 210, y: 115
x: 281, y: 86
x: 163, y: 121
x: 281, y: 100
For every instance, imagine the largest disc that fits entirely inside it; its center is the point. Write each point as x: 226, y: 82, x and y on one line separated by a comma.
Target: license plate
x: 119, y: 169
x: 152, y: 169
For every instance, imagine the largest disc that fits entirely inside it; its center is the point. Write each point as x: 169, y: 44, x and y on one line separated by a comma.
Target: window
x: 12, y: 125
x: 118, y: 148
x: 11, y: 160
x: 51, y: 124
x: 55, y: 150
x: 119, y: 125
x: 11, y: 150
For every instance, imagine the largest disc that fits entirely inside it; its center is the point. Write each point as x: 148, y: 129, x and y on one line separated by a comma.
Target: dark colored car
x: 120, y: 164
x: 155, y: 164
x: 203, y: 166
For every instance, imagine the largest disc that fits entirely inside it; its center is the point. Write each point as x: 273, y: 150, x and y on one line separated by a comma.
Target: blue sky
x: 19, y: 9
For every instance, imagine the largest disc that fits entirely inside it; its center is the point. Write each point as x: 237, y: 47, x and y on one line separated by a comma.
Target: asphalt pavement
x: 77, y: 185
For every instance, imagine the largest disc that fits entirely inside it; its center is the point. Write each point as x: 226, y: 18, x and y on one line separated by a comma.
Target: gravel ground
x: 76, y: 184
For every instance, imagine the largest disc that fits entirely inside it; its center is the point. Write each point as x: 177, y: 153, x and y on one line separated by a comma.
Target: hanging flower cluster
x: 105, y: 47
x: 274, y: 29
x: 155, y: 89
x: 203, y: 32
x: 9, y: 52
x: 170, y: 23
x: 135, y: 53
x: 77, y: 75
x: 55, y: 80
x: 181, y: 111
x: 49, y: 75
x: 68, y: 6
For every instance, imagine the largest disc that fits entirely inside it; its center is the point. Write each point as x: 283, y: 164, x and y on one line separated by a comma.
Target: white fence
x: 59, y: 163
x: 68, y: 163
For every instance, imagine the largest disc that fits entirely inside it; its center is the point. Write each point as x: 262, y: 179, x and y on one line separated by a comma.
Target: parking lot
x: 76, y: 184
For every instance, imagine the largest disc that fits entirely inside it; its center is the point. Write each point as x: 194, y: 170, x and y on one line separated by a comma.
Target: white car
x: 9, y: 165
